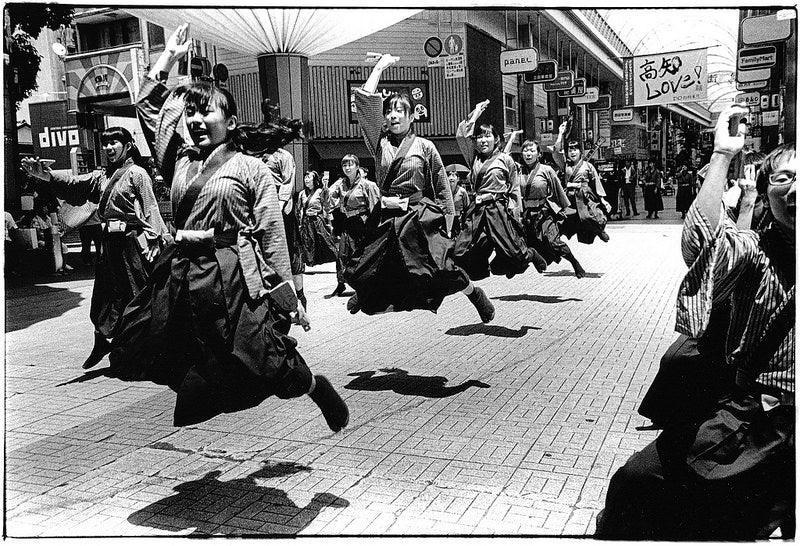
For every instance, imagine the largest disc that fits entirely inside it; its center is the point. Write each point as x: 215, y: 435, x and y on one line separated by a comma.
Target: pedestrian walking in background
x: 212, y: 321
x: 629, y: 188
x: 492, y: 224
x: 652, y: 186
x: 133, y: 231
x: 406, y: 262
x: 461, y: 199
x: 686, y: 189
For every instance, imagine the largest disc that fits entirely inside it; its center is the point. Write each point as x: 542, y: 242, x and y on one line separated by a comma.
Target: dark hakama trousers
x: 585, y: 215
x: 405, y: 262
x: 730, y: 477
x: 542, y: 233
x: 294, y: 243
x: 195, y: 328
x: 318, y: 244
x: 684, y: 197
x: 120, y: 274
x: 488, y: 227
x: 652, y: 199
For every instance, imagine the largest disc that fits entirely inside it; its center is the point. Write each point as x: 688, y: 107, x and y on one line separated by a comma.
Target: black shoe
x: 603, y: 236
x: 101, y: 348
x: 579, y: 271
x: 482, y: 304
x: 333, y: 407
x: 536, y: 259
x: 636, y: 214
x: 338, y: 291
x: 352, y: 304
x: 656, y: 216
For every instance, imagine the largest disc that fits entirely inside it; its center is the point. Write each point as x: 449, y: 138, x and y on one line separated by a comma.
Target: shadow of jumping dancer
x: 489, y: 330
x: 197, y: 504
x: 536, y: 298
x: 401, y: 382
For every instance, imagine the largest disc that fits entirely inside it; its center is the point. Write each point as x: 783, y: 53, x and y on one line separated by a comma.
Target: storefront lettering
x: 55, y: 138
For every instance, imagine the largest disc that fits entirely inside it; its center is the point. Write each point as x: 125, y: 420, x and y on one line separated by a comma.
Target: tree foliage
x: 22, y: 25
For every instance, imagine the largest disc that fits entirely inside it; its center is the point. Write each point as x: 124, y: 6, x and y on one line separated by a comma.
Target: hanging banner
x: 665, y: 78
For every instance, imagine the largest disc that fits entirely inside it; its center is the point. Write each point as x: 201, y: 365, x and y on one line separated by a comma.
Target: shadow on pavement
x: 401, y: 382
x: 489, y: 330
x: 208, y: 503
x: 31, y: 304
x: 536, y: 298
x: 88, y: 376
x: 571, y: 274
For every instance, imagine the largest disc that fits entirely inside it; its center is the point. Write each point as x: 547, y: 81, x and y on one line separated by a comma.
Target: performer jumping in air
x: 492, y: 222
x: 544, y: 202
x: 133, y: 230
x: 208, y: 322
x: 406, y: 262
x: 354, y: 200
x: 585, y: 216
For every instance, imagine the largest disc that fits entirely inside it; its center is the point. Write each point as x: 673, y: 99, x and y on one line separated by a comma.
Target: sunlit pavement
x: 456, y: 427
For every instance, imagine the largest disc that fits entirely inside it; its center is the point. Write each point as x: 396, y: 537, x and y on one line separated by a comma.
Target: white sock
x: 469, y: 289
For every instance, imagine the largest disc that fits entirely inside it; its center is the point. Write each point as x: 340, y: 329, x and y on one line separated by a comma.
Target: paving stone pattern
x: 457, y: 428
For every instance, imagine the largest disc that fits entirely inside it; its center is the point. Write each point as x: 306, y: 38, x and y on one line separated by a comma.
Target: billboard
x: 665, y: 78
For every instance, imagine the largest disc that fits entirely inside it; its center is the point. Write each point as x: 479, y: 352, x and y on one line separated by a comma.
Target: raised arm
x: 748, y: 201
x: 725, y: 148
x: 558, y: 147
x: 369, y: 104
x: 465, y: 131
x: 160, y: 110
x: 512, y: 136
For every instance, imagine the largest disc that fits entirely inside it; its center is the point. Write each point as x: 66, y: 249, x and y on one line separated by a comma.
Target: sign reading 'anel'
x: 664, y: 78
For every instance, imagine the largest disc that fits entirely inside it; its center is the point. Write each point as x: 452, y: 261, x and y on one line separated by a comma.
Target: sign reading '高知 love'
x: 664, y: 78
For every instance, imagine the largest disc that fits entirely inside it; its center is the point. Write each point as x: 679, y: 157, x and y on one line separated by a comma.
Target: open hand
x: 480, y: 108
x: 301, y: 317
x: 179, y: 42
x: 562, y: 128
x: 36, y: 168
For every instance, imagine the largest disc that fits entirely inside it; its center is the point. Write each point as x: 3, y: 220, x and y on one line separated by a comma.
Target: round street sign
x: 453, y: 44
x: 433, y: 47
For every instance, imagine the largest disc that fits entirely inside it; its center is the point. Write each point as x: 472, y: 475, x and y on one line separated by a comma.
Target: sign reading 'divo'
x: 517, y: 61
x: 57, y: 137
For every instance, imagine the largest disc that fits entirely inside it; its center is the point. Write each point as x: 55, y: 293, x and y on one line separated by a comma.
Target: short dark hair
x: 316, y: 180
x: 351, y: 157
x: 201, y: 94
x: 395, y: 100
x: 529, y: 143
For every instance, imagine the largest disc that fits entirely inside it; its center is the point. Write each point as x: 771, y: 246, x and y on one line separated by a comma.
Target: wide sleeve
x: 464, y: 140
x: 598, y: 182
x: 717, y: 259
x: 556, y: 190
x: 438, y: 179
x: 76, y: 189
x: 269, y: 221
x: 372, y: 194
x: 369, y: 112
x: 150, y: 214
x: 159, y: 112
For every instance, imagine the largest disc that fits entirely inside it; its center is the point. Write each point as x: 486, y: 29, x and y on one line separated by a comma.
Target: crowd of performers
x: 206, y: 307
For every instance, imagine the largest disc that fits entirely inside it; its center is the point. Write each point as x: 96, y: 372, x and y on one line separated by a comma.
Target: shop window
x: 510, y: 107
x: 108, y: 35
x: 155, y: 35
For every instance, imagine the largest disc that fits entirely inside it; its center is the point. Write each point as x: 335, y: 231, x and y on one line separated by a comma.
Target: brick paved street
x: 456, y: 427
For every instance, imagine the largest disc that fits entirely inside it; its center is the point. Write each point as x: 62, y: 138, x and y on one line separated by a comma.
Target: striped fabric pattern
x: 544, y: 184
x: 500, y: 178
x: 361, y: 197
x: 240, y: 195
x: 422, y: 169
x: 131, y: 198
x: 729, y: 263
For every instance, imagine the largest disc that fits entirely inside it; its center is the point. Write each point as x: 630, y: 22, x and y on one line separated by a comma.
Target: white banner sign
x: 666, y: 78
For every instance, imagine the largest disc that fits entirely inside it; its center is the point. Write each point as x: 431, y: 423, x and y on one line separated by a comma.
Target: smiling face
x: 208, y: 126
x: 530, y: 154
x: 309, y: 181
x: 116, y: 151
x: 781, y: 193
x: 398, y: 119
x: 350, y: 169
x: 573, y: 153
